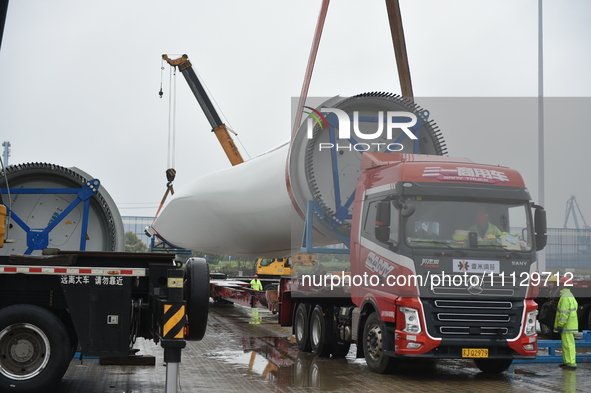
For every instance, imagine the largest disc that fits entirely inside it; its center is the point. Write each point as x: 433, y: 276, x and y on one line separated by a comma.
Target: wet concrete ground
x: 234, y: 357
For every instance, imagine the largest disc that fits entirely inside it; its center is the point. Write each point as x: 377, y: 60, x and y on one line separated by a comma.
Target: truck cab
x: 452, y: 247
x: 273, y: 267
x: 276, y: 267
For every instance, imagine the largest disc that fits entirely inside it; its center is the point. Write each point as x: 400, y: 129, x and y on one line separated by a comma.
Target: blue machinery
x: 38, y: 238
x: 158, y: 244
x: 342, y: 210
x: 551, y: 357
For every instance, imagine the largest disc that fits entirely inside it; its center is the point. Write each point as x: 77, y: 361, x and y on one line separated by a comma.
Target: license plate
x: 474, y: 352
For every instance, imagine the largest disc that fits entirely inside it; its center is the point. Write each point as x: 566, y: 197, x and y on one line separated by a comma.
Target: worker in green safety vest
x: 255, y: 283
x: 567, y: 324
x: 483, y: 227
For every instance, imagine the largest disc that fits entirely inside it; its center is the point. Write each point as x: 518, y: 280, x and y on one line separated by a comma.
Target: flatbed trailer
x: 99, y: 301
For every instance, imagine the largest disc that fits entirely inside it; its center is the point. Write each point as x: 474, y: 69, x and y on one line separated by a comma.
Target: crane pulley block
x: 170, y: 174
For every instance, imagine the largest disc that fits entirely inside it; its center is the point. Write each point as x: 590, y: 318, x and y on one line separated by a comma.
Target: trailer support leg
x: 173, y: 321
x: 172, y: 357
x: 172, y: 373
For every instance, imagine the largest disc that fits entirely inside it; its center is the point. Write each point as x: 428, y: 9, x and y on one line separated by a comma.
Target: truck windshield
x: 466, y: 224
x: 266, y: 262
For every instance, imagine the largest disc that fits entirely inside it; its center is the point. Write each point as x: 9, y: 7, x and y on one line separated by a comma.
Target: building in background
x: 137, y: 225
x: 568, y: 248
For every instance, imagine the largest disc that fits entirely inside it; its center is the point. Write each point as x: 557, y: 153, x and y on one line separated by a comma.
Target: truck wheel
x: 35, y: 349
x: 197, y: 297
x: 301, y: 328
x: 546, y: 320
x: 320, y: 337
x: 377, y: 361
x: 493, y: 366
x: 546, y: 330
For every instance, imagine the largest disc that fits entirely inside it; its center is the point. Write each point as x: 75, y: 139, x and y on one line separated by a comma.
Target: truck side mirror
x: 540, y: 227
x: 382, y: 225
x: 407, y: 210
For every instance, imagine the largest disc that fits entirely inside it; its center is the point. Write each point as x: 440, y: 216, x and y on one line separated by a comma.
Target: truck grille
x: 491, y: 331
x: 497, y: 286
x: 505, y: 305
x: 473, y: 318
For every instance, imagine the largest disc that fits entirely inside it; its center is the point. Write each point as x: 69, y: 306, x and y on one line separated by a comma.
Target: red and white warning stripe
x: 75, y: 271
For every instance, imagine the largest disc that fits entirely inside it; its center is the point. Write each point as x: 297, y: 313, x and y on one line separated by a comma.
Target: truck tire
x: 35, y: 349
x: 301, y: 327
x: 320, y: 337
x: 197, y: 297
x: 546, y: 319
x: 377, y: 361
x: 322, y: 340
x: 493, y: 366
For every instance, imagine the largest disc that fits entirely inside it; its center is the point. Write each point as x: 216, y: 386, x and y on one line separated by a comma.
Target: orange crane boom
x: 218, y: 127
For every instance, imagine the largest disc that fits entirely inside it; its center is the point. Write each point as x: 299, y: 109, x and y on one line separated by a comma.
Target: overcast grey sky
x: 79, y: 82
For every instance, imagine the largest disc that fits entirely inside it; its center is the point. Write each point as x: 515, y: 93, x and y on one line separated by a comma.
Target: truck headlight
x: 411, y: 320
x: 530, y: 323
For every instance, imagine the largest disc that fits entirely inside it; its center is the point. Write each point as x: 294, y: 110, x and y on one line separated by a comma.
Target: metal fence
x: 568, y: 248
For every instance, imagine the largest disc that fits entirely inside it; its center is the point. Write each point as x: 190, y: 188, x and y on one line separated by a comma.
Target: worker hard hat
x: 553, y: 278
x: 566, y: 280
x: 256, y: 275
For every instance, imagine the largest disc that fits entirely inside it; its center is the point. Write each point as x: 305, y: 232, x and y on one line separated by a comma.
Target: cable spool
x: 105, y: 228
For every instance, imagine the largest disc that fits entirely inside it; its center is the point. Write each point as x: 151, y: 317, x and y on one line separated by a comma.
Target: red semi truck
x: 443, y: 265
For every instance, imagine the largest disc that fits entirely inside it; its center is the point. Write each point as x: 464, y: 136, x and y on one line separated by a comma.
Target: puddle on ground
x: 278, y: 360
x: 523, y: 372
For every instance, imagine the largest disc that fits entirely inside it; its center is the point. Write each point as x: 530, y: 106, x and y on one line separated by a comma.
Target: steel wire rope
x: 171, y: 147
x: 310, y: 67
x: 170, y: 159
x: 229, y: 128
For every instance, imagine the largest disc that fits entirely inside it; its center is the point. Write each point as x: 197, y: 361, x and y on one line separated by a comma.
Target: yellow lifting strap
x: 2, y: 224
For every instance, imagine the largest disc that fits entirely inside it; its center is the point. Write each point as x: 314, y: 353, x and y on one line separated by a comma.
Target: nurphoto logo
x: 348, y: 133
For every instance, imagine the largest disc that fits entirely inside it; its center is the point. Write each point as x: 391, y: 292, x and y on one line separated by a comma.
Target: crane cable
x: 223, y: 115
x: 310, y: 66
x: 171, y: 149
x: 171, y: 118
